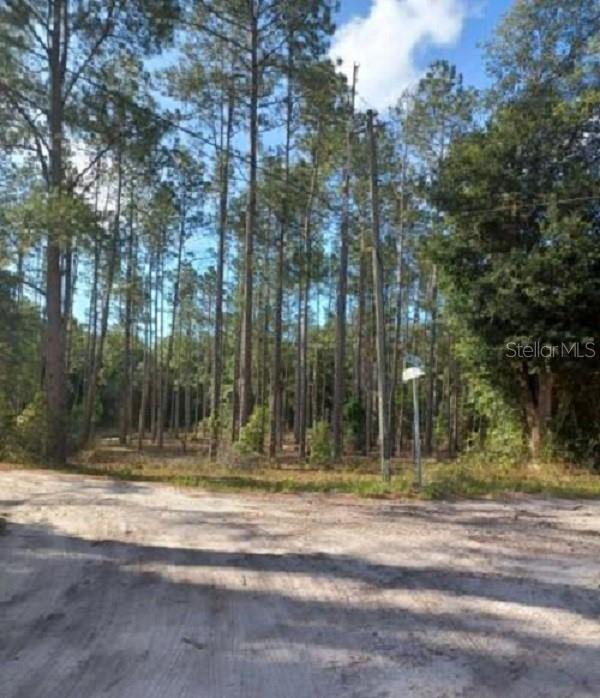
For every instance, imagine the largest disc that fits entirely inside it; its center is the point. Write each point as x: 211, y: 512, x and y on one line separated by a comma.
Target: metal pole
x: 417, y: 436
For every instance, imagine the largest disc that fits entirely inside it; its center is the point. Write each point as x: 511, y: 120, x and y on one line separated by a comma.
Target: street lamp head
x: 411, y: 374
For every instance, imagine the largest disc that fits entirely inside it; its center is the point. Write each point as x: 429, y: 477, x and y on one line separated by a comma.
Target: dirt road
x: 127, y: 590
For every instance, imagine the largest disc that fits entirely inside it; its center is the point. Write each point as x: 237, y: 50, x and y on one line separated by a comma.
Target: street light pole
x: 412, y: 375
x: 417, y: 436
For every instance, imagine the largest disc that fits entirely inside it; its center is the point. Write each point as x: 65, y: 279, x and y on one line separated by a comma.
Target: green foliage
x: 204, y: 428
x: 5, y: 426
x: 523, y: 266
x: 20, y: 332
x: 541, y: 42
x: 77, y: 415
x: 441, y: 109
x: 473, y: 477
x: 468, y: 477
x: 502, y: 205
x: 30, y: 426
x: 354, y: 419
x: 321, y: 447
x: 493, y: 422
x: 252, y: 435
x: 215, y: 423
x: 69, y: 214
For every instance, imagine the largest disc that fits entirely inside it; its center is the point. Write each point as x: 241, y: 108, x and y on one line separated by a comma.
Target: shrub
x: 321, y: 451
x: 252, y: 435
x: 6, y: 428
x: 354, y: 418
x: 30, y: 426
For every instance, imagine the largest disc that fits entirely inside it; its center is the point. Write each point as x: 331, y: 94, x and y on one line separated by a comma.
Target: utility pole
x: 340, y: 320
x: 383, y: 404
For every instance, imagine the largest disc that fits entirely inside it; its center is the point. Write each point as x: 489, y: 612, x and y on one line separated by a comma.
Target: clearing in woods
x: 121, y: 589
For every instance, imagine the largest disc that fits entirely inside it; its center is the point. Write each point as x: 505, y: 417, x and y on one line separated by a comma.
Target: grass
x: 357, y: 476
x: 476, y: 478
x: 262, y: 479
x: 467, y: 478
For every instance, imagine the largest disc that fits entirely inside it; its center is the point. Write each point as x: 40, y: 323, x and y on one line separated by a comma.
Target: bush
x: 6, y: 428
x: 321, y: 449
x: 252, y: 435
x: 30, y: 426
x: 203, y: 429
x: 354, y: 418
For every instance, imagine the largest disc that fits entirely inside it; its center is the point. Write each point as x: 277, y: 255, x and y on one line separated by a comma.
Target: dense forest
x: 208, y: 238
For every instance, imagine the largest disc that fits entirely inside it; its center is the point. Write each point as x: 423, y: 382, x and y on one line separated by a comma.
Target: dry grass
x: 356, y: 475
x: 359, y: 475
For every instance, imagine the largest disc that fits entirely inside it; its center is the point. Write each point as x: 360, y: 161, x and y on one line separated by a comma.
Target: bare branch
x: 65, y: 51
x: 209, y: 7
x: 104, y: 34
x: 44, y: 23
x: 21, y: 279
x: 93, y: 162
x: 38, y: 138
x: 31, y: 27
x: 217, y: 34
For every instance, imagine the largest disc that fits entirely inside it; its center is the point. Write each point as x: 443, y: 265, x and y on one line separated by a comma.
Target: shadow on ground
x: 112, y: 618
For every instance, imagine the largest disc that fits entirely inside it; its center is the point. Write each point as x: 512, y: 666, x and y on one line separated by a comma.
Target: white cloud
x: 384, y: 44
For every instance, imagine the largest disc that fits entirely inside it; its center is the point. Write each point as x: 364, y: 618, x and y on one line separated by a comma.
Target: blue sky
x: 395, y: 40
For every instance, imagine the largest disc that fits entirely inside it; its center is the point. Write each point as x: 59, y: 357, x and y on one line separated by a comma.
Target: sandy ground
x: 128, y: 590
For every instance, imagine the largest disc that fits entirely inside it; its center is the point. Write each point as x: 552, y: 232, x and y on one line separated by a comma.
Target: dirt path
x: 138, y: 591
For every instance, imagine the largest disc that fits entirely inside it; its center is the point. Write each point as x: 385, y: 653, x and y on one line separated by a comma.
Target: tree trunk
x: 538, y: 409
x: 276, y: 382
x: 188, y: 409
x: 360, y: 321
x: 217, y: 367
x: 235, y: 411
x: 304, y: 317
x: 160, y: 383
x: 276, y: 400
x: 397, y: 348
x: 369, y: 399
x: 382, y: 397
x: 431, y: 378
x: 297, y: 388
x: 70, y: 279
x: 145, y: 385
x: 263, y: 374
x: 303, y: 394
x: 167, y: 369
x: 92, y: 331
x: 314, y: 412
x: 340, y: 318
x: 155, y: 373
x: 452, y: 401
x: 56, y: 436
x: 246, y: 333
x: 176, y: 409
x: 126, y: 382
x: 90, y: 401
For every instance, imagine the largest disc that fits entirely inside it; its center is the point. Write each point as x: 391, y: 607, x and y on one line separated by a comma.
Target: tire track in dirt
x: 53, y: 618
x: 125, y: 591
